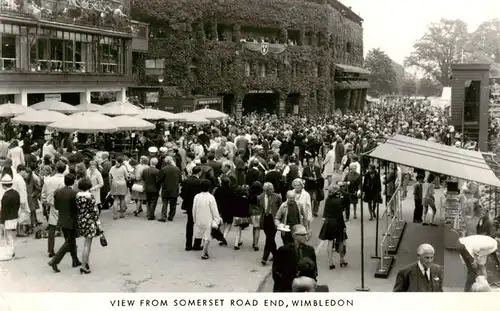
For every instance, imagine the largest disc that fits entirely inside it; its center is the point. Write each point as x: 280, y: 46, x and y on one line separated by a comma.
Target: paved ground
x: 142, y: 256
x: 349, y: 278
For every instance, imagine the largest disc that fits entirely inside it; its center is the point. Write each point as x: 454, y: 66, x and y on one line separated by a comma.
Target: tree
x: 427, y: 87
x: 383, y: 76
x: 409, y: 86
x: 400, y: 76
x: 484, y: 43
x: 442, y: 45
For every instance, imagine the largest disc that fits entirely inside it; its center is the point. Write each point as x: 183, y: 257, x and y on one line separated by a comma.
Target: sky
x: 394, y: 25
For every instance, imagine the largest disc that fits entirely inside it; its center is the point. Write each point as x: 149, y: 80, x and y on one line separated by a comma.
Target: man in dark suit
x: 206, y: 171
x: 275, y: 178
x: 216, y: 166
x: 253, y: 173
x: 65, y: 203
x: 313, y: 184
x: 486, y: 226
x: 150, y: 176
x: 228, y: 172
x: 190, y: 188
x: 285, y: 263
x: 423, y: 275
x: 269, y: 202
x: 170, y: 178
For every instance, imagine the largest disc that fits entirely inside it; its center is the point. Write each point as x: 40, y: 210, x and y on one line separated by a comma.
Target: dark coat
x: 65, y: 203
x: 275, y: 178
x: 411, y: 279
x: 313, y: 178
x: 216, y: 167
x: 253, y: 175
x: 11, y: 202
x: 285, y: 265
x: 225, y: 198
x: 150, y: 177
x: 372, y: 187
x: 190, y: 188
x: 170, y: 178
x: 207, y: 173
x: 486, y: 226
x: 274, y: 204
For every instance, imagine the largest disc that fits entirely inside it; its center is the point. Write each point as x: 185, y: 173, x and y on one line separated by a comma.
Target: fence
x: 391, y: 233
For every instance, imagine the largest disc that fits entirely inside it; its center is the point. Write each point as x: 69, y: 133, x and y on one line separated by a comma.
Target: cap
x: 152, y: 149
x: 6, y: 179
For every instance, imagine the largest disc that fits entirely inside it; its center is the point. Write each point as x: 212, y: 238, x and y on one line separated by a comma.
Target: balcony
x: 140, y: 32
x: 106, y: 15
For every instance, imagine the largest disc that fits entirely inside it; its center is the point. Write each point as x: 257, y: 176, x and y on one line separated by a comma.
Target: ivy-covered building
x: 284, y: 56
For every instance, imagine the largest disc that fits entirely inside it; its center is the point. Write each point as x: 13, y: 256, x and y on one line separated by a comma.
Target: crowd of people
x: 261, y: 171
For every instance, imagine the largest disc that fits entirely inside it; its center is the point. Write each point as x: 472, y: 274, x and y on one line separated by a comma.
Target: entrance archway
x: 260, y: 103
x: 293, y: 99
x: 340, y: 100
x: 228, y: 106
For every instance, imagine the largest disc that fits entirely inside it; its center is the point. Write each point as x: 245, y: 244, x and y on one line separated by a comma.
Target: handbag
x: 138, y: 187
x: 103, y: 240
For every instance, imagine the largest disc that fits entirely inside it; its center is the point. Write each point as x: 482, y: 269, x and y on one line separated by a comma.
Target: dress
x: 119, y: 177
x: 88, y: 215
x: 135, y: 195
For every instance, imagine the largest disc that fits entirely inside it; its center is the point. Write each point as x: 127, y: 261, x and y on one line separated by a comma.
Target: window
x: 9, y: 47
x: 155, y: 67
x: 316, y: 70
x: 247, y: 70
x: 348, y: 47
x: 8, y: 52
x: 262, y: 70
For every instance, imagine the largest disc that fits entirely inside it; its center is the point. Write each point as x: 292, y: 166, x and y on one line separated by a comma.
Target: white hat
x: 163, y: 149
x: 152, y: 150
x: 6, y: 179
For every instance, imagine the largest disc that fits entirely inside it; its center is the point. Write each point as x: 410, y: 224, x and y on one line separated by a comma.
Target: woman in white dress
x: 205, y: 216
x: 303, y: 199
x: 16, y: 154
x: 329, y: 165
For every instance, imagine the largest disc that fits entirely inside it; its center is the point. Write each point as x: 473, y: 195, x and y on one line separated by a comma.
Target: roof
x: 437, y: 158
x: 352, y: 69
x: 351, y: 85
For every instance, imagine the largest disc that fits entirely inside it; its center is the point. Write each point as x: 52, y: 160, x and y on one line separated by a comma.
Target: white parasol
x: 158, y: 115
x: 39, y: 117
x: 11, y: 110
x: 120, y: 108
x: 210, y: 114
x: 88, y: 107
x: 54, y: 105
x: 191, y: 118
x: 85, y: 122
x: 128, y: 123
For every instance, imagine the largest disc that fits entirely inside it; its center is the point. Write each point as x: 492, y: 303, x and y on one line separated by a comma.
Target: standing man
x: 421, y: 276
x: 312, y: 174
x: 190, y: 188
x: 51, y: 184
x: 170, y: 178
x: 150, y: 176
x: 65, y: 204
x: 270, y: 203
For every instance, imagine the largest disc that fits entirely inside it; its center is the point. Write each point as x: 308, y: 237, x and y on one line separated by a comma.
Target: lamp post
x: 362, y: 288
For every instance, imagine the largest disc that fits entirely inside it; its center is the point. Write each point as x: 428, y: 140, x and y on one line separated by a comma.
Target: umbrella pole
x: 362, y: 288
x: 376, y: 256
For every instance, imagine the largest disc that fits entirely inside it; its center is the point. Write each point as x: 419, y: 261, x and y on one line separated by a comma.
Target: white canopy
x: 210, y: 114
x: 85, y: 122
x: 128, y: 123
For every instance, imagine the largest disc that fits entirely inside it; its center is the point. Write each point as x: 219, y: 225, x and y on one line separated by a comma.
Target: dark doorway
x: 71, y: 98
x: 35, y: 98
x: 261, y: 103
x: 293, y: 99
x: 8, y: 98
x: 227, y: 103
x: 340, y: 100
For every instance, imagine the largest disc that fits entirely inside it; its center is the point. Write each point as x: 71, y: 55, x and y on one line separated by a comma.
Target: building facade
x: 66, y: 49
x: 288, y: 56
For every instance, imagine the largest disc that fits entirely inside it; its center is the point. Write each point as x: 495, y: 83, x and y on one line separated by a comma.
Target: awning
x: 437, y: 158
x: 351, y: 85
x: 352, y: 69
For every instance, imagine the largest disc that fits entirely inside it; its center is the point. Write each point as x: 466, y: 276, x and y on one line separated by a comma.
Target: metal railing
x: 393, y: 222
